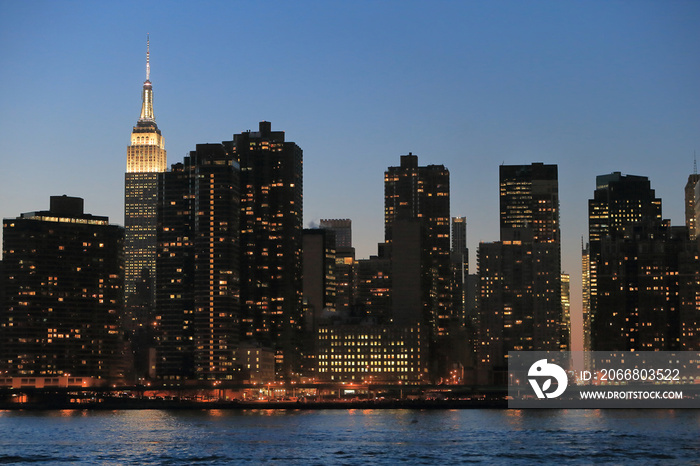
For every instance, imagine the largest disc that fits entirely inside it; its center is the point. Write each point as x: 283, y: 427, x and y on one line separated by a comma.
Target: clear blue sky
x: 593, y: 86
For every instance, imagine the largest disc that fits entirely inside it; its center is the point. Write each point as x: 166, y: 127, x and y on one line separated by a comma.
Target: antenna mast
x: 148, y: 57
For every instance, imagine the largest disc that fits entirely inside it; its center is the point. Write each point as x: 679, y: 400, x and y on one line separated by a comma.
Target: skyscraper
x: 529, y: 201
x: 198, y: 286
x: 520, y: 305
x: 642, y: 271
x: 586, y: 295
x: 620, y: 204
x: 63, y: 272
x: 345, y: 265
x: 145, y: 158
x: 690, y: 202
x: 459, y: 257
x: 422, y: 194
x: 566, y: 311
x: 271, y: 242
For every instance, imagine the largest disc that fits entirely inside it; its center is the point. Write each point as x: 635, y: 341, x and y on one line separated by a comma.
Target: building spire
x: 147, y: 95
x: 148, y: 57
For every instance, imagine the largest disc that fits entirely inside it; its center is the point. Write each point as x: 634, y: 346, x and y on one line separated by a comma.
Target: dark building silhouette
x: 345, y: 265
x: 319, y: 284
x: 519, y: 303
x: 690, y: 205
x: 373, y: 297
x: 459, y: 258
x: 342, y: 229
x: 198, y: 284
x: 619, y: 203
x: 319, y: 271
x: 643, y: 272
x: 271, y: 242
x: 63, y: 275
x: 418, y: 198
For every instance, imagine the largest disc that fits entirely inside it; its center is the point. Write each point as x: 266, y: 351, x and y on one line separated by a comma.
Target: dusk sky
x: 592, y: 86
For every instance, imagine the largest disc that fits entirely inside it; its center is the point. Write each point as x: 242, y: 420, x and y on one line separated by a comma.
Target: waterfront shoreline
x: 132, y: 404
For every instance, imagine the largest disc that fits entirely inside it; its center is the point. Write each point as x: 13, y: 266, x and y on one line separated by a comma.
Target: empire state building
x: 145, y: 158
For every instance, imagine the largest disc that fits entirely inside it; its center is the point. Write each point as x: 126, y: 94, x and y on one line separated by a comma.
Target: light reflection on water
x: 351, y: 436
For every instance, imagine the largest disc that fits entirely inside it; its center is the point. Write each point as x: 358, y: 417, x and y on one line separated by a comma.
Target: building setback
x: 198, y: 284
x: 520, y: 295
x: 63, y: 276
x: 271, y: 217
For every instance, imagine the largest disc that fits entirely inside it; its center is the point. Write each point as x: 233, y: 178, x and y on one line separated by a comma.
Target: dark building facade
x: 373, y: 296
x: 641, y: 280
x: 422, y: 194
x: 459, y: 258
x: 690, y: 205
x: 643, y: 272
x: 63, y: 272
x: 198, y: 286
x: 624, y: 209
x: 271, y: 218
x: 520, y: 305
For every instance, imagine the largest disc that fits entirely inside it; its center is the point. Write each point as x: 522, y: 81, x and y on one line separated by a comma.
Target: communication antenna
x: 148, y: 57
x: 695, y: 164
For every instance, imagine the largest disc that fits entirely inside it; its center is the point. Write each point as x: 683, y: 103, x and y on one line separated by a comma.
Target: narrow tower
x: 145, y: 158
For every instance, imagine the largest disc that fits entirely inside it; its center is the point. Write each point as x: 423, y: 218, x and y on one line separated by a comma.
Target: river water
x: 352, y: 437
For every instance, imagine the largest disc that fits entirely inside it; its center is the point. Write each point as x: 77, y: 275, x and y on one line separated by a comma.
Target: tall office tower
x: 690, y: 218
x: 529, y: 201
x: 620, y: 202
x: 621, y: 206
x: 145, y: 158
x: 198, y: 284
x: 271, y: 242
x: 63, y: 271
x: 459, y: 257
x: 520, y: 304
x: 345, y: 265
x: 586, y: 295
x: 423, y: 194
x: 566, y: 311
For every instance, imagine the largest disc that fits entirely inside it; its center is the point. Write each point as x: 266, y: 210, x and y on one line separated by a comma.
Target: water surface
x: 353, y: 437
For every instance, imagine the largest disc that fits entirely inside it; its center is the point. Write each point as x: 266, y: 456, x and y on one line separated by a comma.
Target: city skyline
x: 594, y: 88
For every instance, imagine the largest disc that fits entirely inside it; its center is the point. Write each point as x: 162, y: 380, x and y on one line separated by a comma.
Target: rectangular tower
x: 63, y: 271
x: 520, y: 294
x: 271, y: 242
x: 459, y: 257
x: 623, y: 207
x: 198, y: 284
x: 145, y: 158
x: 412, y: 192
